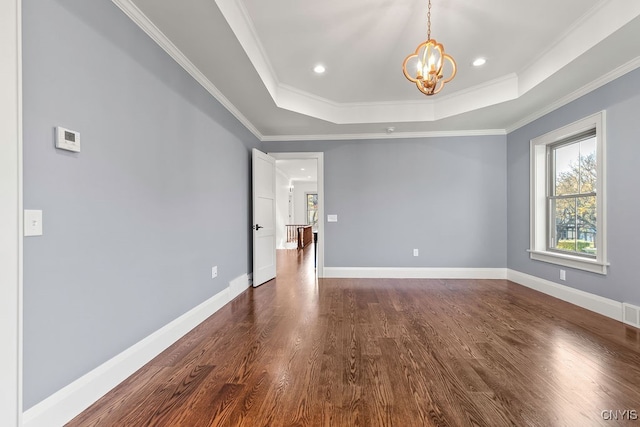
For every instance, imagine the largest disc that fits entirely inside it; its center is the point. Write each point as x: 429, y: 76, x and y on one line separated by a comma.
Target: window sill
x: 591, y: 265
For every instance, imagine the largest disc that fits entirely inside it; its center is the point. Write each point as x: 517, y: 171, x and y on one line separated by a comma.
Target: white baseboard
x: 238, y: 286
x: 605, y: 306
x: 68, y: 402
x: 414, y: 273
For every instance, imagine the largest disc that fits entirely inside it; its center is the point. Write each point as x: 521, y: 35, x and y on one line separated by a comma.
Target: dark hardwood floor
x: 360, y: 352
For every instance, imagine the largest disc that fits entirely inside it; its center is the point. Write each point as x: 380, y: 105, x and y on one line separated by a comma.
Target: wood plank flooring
x: 360, y: 352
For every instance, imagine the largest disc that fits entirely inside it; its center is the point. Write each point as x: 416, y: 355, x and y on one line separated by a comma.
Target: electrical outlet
x: 563, y: 275
x: 415, y: 252
x: 214, y: 272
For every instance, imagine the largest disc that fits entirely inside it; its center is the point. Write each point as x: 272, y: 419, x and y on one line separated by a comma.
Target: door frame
x: 11, y: 213
x: 319, y: 156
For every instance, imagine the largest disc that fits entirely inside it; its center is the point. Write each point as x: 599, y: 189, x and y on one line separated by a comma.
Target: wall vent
x: 631, y: 314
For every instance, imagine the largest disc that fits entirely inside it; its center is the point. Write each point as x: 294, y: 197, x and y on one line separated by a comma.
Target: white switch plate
x: 67, y: 139
x: 214, y: 272
x: 415, y: 252
x: 563, y: 275
x: 332, y: 218
x: 32, y: 223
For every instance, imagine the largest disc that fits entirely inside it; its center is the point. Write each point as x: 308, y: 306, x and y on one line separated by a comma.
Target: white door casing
x: 319, y: 156
x: 10, y: 214
x: 263, y: 181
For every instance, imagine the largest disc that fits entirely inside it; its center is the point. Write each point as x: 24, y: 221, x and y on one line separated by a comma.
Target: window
x: 312, y: 209
x: 572, y: 197
x: 567, y: 196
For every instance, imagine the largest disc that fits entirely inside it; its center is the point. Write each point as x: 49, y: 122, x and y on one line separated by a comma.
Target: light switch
x: 32, y: 223
x: 332, y: 218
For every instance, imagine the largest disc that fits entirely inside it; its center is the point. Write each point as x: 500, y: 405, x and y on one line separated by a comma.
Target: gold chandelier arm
x: 404, y: 68
x: 453, y: 72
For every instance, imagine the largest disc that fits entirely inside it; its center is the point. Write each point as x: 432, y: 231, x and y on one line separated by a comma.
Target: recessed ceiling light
x: 301, y: 169
x: 479, y: 62
x: 319, y: 69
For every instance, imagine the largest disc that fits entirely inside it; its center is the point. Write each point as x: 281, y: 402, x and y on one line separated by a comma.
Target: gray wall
x: 621, y: 100
x: 134, y: 223
x: 444, y: 196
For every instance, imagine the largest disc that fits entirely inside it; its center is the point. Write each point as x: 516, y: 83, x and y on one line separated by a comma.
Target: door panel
x: 264, y: 222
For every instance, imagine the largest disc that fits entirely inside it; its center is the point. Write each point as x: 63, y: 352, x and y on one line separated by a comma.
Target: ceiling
x: 257, y: 58
x: 299, y: 169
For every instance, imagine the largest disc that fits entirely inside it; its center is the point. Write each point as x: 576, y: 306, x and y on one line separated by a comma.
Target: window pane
x: 312, y: 209
x: 574, y: 167
x: 575, y: 224
x: 588, y: 165
x: 586, y: 225
x: 564, y: 217
x: 566, y: 169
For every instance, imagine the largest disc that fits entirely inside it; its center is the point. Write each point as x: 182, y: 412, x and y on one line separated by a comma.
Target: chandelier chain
x: 429, y: 21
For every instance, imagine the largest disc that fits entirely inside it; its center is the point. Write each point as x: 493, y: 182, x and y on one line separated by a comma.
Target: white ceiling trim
x: 142, y: 21
x: 622, y: 10
x: 595, y: 26
x: 242, y: 26
x: 289, y: 98
x: 494, y: 92
x: 609, y: 77
x: 399, y: 135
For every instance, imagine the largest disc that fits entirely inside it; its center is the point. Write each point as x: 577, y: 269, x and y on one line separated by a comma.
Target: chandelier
x: 425, y: 66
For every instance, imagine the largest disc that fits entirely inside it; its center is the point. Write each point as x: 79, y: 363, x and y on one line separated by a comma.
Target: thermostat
x: 67, y: 139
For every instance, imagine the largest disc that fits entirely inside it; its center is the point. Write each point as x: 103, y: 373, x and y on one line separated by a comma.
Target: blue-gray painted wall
x: 621, y: 100
x: 443, y: 196
x: 133, y: 223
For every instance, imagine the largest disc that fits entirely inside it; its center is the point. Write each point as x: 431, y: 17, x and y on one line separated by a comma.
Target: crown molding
x: 142, y: 21
x: 606, y: 17
x: 590, y: 87
x: 400, y: 135
x: 494, y: 92
x: 237, y: 16
x: 597, y: 24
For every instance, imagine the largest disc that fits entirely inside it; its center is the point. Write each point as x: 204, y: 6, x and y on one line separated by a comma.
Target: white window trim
x: 538, y: 188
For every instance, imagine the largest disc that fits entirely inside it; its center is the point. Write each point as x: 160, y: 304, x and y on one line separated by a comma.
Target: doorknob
x: 258, y: 227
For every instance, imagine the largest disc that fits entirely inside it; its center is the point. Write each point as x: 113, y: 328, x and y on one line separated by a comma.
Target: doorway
x: 292, y: 197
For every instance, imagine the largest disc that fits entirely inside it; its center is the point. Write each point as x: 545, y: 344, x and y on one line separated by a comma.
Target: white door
x: 264, y: 217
